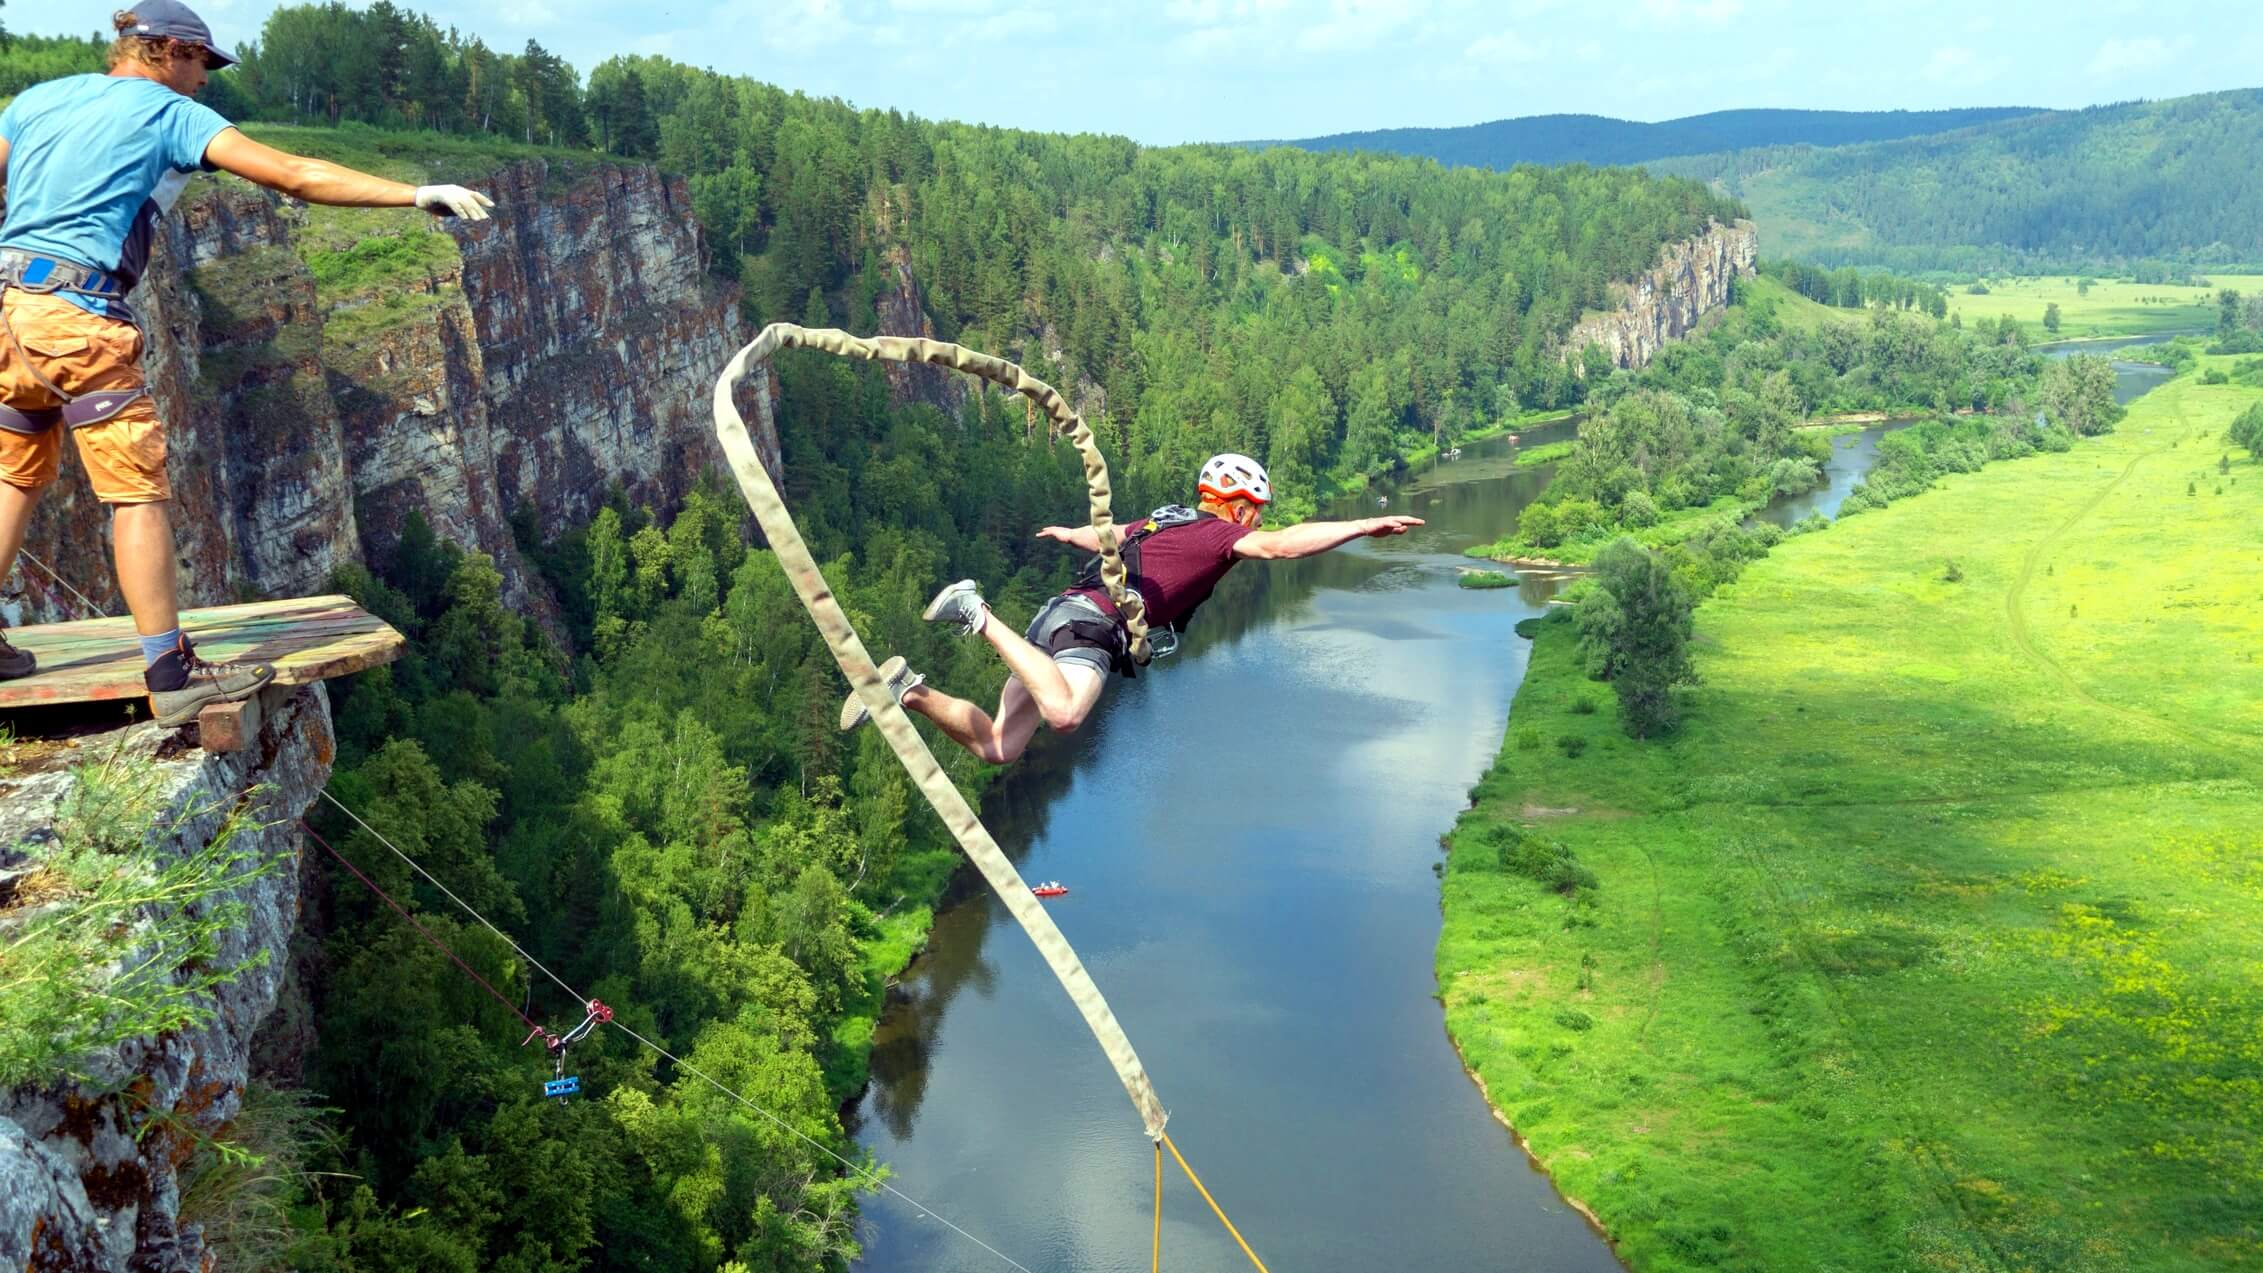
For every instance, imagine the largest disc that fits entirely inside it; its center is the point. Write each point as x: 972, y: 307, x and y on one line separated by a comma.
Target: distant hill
x: 2132, y: 186
x: 1597, y: 139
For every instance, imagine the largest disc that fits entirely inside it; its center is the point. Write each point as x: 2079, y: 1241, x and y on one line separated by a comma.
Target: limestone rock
x: 88, y: 1172
x: 1691, y: 281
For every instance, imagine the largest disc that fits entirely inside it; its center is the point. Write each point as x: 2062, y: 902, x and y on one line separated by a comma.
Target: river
x: 1853, y: 455
x: 1249, y: 831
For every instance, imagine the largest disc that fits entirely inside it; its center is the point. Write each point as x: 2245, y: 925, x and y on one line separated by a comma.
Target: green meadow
x: 2111, y: 307
x: 1934, y: 938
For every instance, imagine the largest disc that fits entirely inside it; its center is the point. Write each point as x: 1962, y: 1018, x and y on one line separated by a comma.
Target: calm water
x: 1249, y: 832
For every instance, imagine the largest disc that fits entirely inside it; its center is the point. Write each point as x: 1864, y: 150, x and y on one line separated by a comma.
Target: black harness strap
x: 43, y: 276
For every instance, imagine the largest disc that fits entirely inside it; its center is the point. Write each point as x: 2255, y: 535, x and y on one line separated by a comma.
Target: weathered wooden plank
x: 229, y: 726
x: 306, y: 638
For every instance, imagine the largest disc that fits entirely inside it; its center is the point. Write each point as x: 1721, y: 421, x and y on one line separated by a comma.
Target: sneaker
x: 181, y: 684
x: 896, y: 675
x: 15, y: 662
x: 959, y: 603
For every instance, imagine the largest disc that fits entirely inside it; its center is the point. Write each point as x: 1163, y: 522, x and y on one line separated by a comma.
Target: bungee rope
x: 856, y: 663
x: 750, y: 367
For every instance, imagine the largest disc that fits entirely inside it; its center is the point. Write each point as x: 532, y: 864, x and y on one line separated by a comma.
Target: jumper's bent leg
x: 1000, y: 739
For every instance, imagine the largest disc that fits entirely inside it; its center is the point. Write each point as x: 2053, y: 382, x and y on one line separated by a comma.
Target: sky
x: 1169, y: 71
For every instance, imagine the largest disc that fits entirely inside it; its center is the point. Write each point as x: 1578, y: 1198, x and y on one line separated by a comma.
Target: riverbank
x: 1923, y: 943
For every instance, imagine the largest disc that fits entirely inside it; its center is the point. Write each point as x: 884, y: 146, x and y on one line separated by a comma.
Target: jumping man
x: 90, y: 162
x: 1061, y: 664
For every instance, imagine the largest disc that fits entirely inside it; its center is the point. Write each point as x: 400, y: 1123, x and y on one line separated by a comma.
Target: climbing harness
x: 561, y: 1084
x: 43, y: 276
x: 1163, y: 642
x: 749, y: 368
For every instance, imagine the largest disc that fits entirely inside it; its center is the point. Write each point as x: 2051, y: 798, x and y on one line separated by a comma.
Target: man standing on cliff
x: 1173, y: 559
x: 90, y: 162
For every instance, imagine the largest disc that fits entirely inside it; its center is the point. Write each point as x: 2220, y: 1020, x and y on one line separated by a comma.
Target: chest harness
x: 45, y: 276
x: 1108, y: 634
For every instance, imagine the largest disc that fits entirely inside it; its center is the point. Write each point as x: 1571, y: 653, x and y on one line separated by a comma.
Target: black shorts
x: 1049, y: 631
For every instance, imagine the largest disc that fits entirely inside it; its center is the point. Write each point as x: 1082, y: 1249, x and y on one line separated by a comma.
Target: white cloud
x: 2118, y: 56
x: 1948, y: 63
x: 1502, y: 48
x: 1698, y: 12
x: 1353, y: 24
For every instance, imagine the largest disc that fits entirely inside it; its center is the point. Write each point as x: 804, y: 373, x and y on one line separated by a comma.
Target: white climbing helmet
x: 1231, y: 476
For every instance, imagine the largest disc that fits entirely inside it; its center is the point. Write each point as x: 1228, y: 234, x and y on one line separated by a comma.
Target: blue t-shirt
x: 93, y: 162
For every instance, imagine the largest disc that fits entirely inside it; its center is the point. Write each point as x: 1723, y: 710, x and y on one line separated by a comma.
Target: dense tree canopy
x: 2111, y: 186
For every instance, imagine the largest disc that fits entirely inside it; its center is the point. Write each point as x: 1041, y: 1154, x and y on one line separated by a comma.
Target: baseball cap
x: 171, y: 18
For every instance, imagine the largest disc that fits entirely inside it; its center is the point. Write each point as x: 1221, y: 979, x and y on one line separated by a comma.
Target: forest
x: 654, y: 799
x: 1324, y: 313
x: 1595, y: 139
x: 2136, y: 187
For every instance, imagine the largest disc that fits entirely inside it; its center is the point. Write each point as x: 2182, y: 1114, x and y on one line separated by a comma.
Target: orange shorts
x: 79, y: 353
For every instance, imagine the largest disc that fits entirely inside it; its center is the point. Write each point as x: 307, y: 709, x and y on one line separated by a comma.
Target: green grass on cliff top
x: 1935, y: 938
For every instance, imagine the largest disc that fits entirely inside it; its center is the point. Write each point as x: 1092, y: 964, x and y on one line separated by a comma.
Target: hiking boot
x: 959, y: 603
x: 15, y: 662
x: 896, y: 675
x: 181, y: 684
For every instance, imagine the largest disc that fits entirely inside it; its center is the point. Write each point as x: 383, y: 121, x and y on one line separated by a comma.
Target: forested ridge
x: 2107, y: 188
x: 1323, y: 313
x: 658, y: 805
x: 1599, y: 139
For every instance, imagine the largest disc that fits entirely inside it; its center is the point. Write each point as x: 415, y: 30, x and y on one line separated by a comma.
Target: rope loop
x: 949, y: 803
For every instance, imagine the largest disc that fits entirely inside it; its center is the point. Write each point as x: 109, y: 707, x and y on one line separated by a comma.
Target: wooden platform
x: 308, y: 639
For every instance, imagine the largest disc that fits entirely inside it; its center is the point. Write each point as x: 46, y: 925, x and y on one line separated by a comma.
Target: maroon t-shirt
x: 1178, y: 566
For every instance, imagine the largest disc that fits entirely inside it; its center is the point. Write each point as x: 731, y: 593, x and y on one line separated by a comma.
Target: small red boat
x: 1050, y: 888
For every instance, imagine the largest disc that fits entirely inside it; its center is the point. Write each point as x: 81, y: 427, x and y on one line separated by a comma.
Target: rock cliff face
x: 89, y: 1174
x: 567, y: 345
x: 1664, y: 304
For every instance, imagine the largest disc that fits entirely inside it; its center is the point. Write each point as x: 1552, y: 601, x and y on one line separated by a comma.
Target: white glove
x: 453, y: 201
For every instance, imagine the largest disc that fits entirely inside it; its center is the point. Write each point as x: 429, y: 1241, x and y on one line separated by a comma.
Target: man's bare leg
x: 1000, y: 739
x: 16, y: 504
x: 143, y: 542
x: 1058, y: 701
x: 996, y: 739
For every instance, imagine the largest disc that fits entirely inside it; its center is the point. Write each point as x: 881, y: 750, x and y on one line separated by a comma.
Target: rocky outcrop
x: 564, y: 347
x: 89, y: 1172
x: 1691, y: 281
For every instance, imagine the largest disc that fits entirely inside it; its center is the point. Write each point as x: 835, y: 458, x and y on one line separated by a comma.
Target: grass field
x: 1792, y: 309
x: 1935, y: 938
x: 2111, y: 309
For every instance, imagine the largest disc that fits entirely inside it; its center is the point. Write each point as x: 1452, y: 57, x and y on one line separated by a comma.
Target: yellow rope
x: 1166, y: 1140
x: 1158, y: 1266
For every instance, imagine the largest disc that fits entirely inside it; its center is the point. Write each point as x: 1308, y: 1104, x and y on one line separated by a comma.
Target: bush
x: 1954, y: 574
x: 1571, y: 745
x: 1574, y: 1019
x: 2214, y: 376
x: 1583, y: 706
x: 1545, y: 861
x: 129, y: 944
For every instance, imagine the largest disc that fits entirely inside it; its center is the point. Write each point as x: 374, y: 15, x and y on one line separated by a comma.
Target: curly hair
x: 154, y: 51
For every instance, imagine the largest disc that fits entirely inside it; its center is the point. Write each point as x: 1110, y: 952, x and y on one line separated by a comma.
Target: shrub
x: 1954, y: 574
x: 2214, y: 376
x: 1546, y: 861
x: 1574, y: 1019
x: 1571, y: 745
x: 129, y: 944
